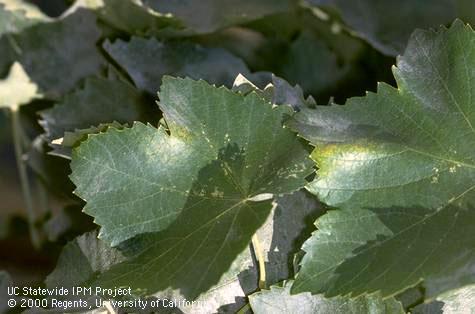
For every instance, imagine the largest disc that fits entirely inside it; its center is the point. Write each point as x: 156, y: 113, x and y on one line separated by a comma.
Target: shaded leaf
x: 15, y: 17
x: 60, y: 45
x: 100, y: 101
x: 312, y: 63
x: 388, y: 250
x: 288, y: 226
x: 280, y: 237
x: 67, y: 223
x: 87, y: 255
x: 425, y: 128
x: 52, y: 172
x: 207, y: 187
x: 453, y: 302
x: 411, y: 297
x: 64, y: 145
x: 210, y: 15
x: 314, y: 53
x: 459, y: 300
x: 228, y: 295
x: 131, y: 16
x: 148, y: 60
x: 370, y: 19
x: 278, y: 92
x: 79, y: 262
x: 279, y: 300
x: 410, y: 152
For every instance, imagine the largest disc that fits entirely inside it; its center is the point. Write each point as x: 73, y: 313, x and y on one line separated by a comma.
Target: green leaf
x: 148, y: 60
x: 15, y: 17
x: 67, y: 52
x: 459, y: 300
x: 280, y: 237
x: 17, y: 89
x: 411, y: 297
x: 210, y: 15
x: 313, y: 52
x: 279, y: 300
x: 401, y: 163
x: 228, y: 295
x: 278, y: 92
x: 453, y: 302
x: 388, y: 250
x: 63, y: 146
x: 313, y: 63
x: 207, y: 186
x: 100, y: 101
x: 411, y: 146
x: 87, y: 255
x: 66, y: 223
x: 372, y: 21
x: 131, y: 16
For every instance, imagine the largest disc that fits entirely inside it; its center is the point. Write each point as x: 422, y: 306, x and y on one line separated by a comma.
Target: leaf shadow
x: 201, y: 245
x: 434, y: 247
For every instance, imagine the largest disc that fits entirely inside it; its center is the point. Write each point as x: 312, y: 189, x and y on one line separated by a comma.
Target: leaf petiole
x: 260, y: 258
x: 22, y: 171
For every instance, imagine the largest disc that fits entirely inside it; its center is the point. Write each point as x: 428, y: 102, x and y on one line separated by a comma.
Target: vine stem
x: 22, y: 171
x: 260, y: 258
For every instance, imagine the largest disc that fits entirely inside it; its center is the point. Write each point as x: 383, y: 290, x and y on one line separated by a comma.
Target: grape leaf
x: 278, y: 92
x: 60, y: 45
x: 17, y: 89
x: 388, y: 250
x: 207, y: 187
x: 238, y: 281
x: 280, y: 237
x: 312, y: 63
x: 314, y: 53
x: 87, y: 255
x: 14, y: 19
x: 288, y: 226
x: 52, y: 172
x: 208, y: 16
x: 147, y: 60
x: 370, y: 19
x: 228, y: 295
x: 453, y: 302
x: 63, y: 146
x: 67, y: 223
x: 401, y: 163
x: 411, y: 297
x: 279, y: 300
x: 99, y: 101
x: 131, y: 16
x: 425, y: 127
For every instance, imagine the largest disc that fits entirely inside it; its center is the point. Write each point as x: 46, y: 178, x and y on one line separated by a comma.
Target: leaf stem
x: 246, y: 308
x: 22, y: 171
x: 260, y: 258
x: 42, y: 196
